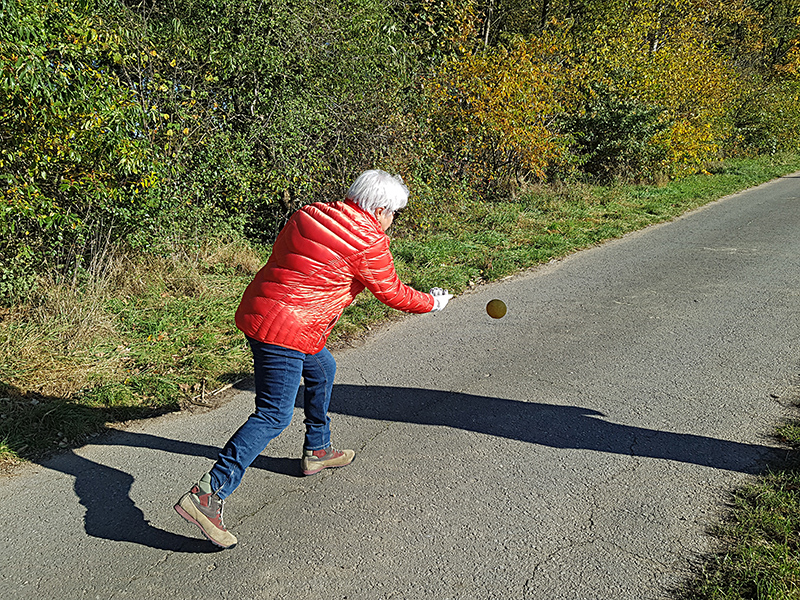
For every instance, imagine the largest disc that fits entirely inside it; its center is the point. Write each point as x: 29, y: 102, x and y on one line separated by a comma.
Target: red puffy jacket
x: 324, y: 256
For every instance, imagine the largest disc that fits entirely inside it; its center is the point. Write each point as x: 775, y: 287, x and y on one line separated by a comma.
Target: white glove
x: 440, y: 298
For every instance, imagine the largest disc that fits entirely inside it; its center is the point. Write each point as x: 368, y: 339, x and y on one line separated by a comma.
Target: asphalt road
x: 576, y: 449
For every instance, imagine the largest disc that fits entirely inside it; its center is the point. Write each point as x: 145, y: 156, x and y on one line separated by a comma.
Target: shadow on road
x: 104, y: 491
x: 111, y: 513
x: 547, y: 425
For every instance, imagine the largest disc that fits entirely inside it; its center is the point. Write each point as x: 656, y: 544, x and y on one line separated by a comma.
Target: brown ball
x: 496, y: 309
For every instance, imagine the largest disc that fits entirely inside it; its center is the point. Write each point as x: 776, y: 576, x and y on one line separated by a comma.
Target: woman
x: 325, y: 255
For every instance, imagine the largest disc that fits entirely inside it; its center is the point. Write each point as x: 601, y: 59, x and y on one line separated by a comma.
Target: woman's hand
x: 440, y: 298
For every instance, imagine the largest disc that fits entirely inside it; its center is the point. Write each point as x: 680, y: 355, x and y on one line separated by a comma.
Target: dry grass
x: 68, y: 336
x: 52, y: 344
x: 125, y: 338
x: 235, y: 256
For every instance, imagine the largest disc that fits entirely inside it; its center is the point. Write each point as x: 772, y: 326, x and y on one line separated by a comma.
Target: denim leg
x: 277, y: 380
x: 318, y: 373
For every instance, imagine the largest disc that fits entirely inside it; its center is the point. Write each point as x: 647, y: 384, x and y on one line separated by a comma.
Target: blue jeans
x: 278, y: 372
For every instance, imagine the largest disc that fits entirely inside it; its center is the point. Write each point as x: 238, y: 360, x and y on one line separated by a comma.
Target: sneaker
x: 204, y: 509
x: 316, y: 460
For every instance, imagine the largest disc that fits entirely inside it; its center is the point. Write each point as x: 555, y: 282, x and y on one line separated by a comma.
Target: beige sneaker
x: 204, y: 509
x: 316, y: 460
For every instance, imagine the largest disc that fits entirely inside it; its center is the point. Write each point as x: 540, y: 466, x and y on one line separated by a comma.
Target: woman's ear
x: 384, y: 216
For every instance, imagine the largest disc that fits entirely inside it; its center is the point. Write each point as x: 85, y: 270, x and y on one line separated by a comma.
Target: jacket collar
x: 372, y: 218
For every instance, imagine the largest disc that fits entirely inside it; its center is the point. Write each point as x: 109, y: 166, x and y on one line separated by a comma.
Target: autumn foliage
x: 142, y: 123
x: 494, y: 113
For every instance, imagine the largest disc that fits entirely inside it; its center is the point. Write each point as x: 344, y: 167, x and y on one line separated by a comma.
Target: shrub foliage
x: 152, y: 123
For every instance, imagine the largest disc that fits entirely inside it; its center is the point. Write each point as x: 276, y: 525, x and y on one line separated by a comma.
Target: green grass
x: 143, y: 341
x: 760, y: 539
x: 145, y: 335
x: 485, y: 241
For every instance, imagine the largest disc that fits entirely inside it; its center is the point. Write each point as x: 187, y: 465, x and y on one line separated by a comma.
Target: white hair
x: 377, y: 189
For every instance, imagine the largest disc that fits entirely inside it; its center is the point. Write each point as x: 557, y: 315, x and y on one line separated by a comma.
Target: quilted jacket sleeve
x: 376, y: 271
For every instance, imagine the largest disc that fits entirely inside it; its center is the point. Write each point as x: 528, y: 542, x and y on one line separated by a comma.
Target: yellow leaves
x: 444, y: 27
x: 493, y: 108
x: 791, y: 65
x: 661, y: 55
x: 690, y: 142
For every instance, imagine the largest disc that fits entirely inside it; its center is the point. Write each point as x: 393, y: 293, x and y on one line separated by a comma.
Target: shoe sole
x: 182, y: 512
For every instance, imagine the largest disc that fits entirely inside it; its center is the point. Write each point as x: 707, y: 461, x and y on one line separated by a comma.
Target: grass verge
x: 760, y: 539
x: 141, y: 335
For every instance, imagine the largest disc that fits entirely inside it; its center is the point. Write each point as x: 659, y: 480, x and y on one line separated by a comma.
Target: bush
x: 491, y: 114
x: 765, y: 118
x: 71, y: 157
x: 133, y: 123
x: 617, y: 137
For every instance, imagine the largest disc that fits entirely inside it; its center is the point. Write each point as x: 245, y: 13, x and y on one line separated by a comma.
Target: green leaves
x: 131, y: 121
x: 617, y: 137
x: 65, y: 121
x: 117, y: 118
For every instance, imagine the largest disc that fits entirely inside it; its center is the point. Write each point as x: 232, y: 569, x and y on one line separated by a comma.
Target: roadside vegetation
x: 151, y: 151
x: 137, y: 335
x: 760, y: 538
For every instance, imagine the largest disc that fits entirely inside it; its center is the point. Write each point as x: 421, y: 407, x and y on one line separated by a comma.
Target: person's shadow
x: 552, y: 425
x: 111, y: 513
x: 104, y: 491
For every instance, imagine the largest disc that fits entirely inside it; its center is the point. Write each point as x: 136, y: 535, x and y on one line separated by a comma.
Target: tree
x: 492, y: 113
x: 71, y: 156
x: 296, y: 97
